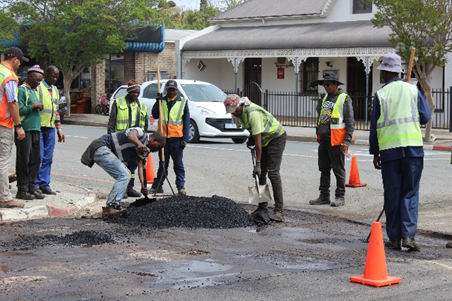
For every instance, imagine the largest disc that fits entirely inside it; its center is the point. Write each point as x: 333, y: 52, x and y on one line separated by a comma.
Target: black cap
x: 171, y: 84
x: 15, y: 52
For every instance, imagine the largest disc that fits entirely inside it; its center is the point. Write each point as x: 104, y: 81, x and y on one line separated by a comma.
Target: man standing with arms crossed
x: 9, y: 113
x: 396, y: 142
x: 50, y: 119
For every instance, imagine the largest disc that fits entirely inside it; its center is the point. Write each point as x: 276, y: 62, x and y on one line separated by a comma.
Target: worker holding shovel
x: 268, y: 138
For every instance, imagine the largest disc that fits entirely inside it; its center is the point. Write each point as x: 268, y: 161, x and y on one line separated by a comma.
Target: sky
x: 191, y: 4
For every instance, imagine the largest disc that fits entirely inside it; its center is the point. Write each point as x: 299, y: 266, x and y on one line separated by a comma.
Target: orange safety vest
x: 6, y: 75
x: 337, y: 123
x: 172, y: 125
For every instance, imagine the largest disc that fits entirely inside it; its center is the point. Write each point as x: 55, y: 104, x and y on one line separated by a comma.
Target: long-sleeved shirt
x: 400, y: 152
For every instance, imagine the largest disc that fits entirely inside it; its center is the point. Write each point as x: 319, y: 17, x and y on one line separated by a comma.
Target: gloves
x: 183, y: 144
x: 250, y: 142
x: 158, y: 97
x: 257, y: 170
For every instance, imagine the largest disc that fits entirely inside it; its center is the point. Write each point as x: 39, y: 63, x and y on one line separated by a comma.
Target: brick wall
x: 97, y: 83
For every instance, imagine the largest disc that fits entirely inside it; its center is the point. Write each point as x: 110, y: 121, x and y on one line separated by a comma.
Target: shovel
x: 146, y: 199
x: 258, y: 193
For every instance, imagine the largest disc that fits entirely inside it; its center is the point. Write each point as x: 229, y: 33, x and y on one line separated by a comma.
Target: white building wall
x: 448, y: 71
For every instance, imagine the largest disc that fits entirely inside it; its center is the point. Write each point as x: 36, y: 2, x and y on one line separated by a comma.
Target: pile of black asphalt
x: 78, y: 238
x: 184, y: 212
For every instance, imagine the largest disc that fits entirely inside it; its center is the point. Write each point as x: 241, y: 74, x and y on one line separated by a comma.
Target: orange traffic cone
x: 150, y: 174
x: 353, y: 181
x: 375, y: 272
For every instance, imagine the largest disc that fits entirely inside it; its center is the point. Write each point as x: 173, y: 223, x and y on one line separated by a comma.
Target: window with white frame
x: 362, y: 6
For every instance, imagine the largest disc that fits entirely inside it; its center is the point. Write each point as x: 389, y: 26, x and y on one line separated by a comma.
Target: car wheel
x: 239, y: 140
x: 193, y: 134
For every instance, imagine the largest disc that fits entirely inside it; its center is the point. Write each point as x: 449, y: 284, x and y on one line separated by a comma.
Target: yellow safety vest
x: 6, y: 75
x: 50, y: 103
x: 337, y: 123
x: 173, y: 126
x: 398, y: 125
x: 122, y: 117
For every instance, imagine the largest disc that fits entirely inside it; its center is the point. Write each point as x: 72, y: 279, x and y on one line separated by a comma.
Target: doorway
x: 253, y: 80
x: 356, y: 88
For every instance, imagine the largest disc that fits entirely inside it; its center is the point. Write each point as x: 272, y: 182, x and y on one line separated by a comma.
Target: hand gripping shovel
x: 258, y: 193
x: 146, y: 199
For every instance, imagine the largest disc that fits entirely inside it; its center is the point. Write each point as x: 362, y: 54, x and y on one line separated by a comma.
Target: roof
x: 177, y: 34
x: 253, y: 9
x: 319, y: 35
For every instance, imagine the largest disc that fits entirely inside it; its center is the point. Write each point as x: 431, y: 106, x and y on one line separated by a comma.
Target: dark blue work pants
x: 401, y: 196
x: 174, y: 151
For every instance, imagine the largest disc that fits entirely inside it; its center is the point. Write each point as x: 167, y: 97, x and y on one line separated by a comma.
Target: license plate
x: 230, y: 126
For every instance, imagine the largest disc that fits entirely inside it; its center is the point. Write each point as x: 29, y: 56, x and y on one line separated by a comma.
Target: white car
x: 208, y: 117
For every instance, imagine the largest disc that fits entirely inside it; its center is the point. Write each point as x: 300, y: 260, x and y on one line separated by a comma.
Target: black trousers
x: 271, y: 159
x: 28, y: 160
x: 331, y: 157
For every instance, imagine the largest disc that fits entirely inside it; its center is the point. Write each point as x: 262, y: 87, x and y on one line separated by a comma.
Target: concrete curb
x: 43, y: 211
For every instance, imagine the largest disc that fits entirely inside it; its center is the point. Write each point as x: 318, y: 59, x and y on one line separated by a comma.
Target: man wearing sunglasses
x: 9, y: 115
x: 335, y: 129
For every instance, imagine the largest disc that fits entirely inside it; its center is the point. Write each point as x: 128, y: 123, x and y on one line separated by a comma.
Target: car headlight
x: 207, y: 112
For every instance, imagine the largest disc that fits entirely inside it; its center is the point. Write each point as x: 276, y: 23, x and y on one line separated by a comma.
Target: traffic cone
x: 150, y: 174
x: 354, y: 181
x: 375, y: 272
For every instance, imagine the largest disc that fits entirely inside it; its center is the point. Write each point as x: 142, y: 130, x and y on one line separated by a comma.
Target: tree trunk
x: 427, y: 91
x: 67, y: 81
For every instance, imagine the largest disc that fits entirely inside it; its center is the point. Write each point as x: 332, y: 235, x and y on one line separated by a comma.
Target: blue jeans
x: 105, y: 158
x: 47, y: 148
x: 175, y: 152
x: 401, y: 194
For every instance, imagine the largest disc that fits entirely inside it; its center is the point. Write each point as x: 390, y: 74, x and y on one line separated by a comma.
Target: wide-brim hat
x: 392, y: 63
x: 329, y: 76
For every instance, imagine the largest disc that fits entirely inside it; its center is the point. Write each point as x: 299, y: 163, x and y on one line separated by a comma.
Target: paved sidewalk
x: 81, y: 200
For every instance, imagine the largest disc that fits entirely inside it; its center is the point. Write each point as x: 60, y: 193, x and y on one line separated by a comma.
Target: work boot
x: 181, y: 191
x: 38, y: 195
x: 411, y: 244
x: 262, y: 207
x: 338, y: 201
x: 24, y: 195
x: 320, y: 201
x: 277, y: 216
x: 155, y: 190
x: 133, y: 193
x: 11, y: 204
x: 107, y: 211
x: 393, y: 245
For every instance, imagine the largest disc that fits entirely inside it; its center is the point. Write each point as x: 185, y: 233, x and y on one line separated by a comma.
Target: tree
x: 74, y: 34
x: 7, y: 28
x: 228, y: 4
x: 425, y: 25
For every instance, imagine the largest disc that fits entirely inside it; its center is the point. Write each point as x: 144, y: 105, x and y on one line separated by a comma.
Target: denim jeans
x: 6, y: 145
x: 47, y: 148
x: 105, y: 158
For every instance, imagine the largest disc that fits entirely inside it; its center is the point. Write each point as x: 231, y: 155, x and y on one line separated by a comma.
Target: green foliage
x: 73, y: 34
x: 7, y: 28
x: 423, y: 24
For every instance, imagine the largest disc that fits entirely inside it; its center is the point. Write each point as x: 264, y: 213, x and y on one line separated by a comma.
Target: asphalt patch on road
x: 185, y: 212
x: 79, y: 238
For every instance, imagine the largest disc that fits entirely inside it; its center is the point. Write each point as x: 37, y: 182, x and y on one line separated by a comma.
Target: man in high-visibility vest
x: 268, y: 137
x: 335, y: 129
x: 28, y: 150
x: 395, y: 140
x: 50, y: 124
x: 126, y: 112
x: 175, y: 125
x: 9, y: 115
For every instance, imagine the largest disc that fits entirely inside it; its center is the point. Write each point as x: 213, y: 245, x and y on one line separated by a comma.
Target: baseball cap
x: 16, y: 52
x: 171, y: 84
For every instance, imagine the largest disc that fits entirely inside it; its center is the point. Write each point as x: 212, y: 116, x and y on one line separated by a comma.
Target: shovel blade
x: 261, y: 196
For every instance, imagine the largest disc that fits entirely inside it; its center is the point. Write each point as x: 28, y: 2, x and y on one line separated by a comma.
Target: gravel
x: 186, y: 212
x: 75, y: 239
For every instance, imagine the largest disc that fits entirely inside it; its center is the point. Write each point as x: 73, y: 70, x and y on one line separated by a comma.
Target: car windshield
x: 120, y: 93
x: 201, y: 92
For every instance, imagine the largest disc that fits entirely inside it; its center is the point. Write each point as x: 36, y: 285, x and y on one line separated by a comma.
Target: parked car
x: 62, y: 108
x: 208, y: 117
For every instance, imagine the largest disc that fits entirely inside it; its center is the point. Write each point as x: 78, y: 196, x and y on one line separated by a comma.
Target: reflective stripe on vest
x: 337, y: 123
x: 124, y: 117
x: 273, y: 128
x: 172, y: 122
x: 6, y: 75
x: 398, y: 125
x: 50, y: 103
